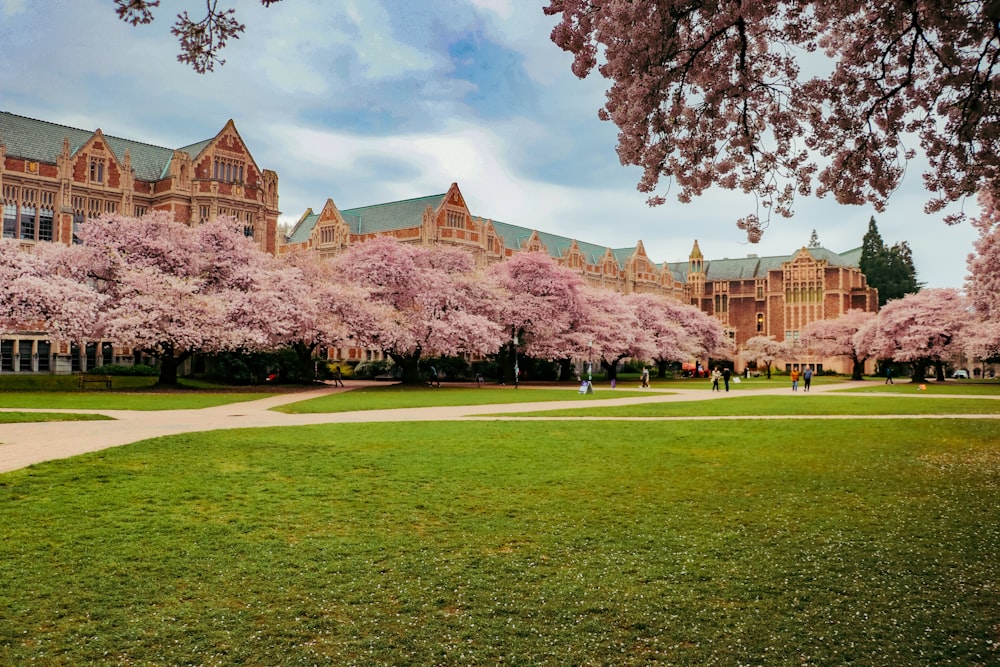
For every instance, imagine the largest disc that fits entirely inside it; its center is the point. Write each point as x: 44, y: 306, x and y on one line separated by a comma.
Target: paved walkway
x: 24, y: 444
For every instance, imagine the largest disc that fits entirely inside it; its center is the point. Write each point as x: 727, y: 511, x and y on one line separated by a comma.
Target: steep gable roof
x: 303, y: 228
x: 390, y: 216
x: 42, y: 141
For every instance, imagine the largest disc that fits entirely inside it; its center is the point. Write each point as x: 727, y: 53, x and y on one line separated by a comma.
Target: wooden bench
x: 95, y: 379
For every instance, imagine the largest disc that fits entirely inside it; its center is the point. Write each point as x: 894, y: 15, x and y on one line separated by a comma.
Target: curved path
x: 23, y: 444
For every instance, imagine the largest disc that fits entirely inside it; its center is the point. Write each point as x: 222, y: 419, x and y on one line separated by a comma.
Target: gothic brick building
x: 52, y: 177
x: 750, y: 296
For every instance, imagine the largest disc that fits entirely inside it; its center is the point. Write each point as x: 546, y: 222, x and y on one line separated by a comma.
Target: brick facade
x: 750, y: 296
x: 52, y: 177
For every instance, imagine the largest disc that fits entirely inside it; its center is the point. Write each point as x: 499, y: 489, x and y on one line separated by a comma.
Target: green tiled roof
x: 303, y: 228
x: 622, y: 255
x: 390, y: 217
x: 513, y: 237
x: 42, y: 141
x: 749, y: 268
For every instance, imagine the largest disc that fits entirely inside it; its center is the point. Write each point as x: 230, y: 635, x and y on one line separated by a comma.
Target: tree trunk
x: 939, y: 371
x: 566, y: 370
x: 611, y: 367
x: 409, y: 364
x: 169, y: 363
x: 769, y: 371
x: 858, y: 369
x: 305, y: 371
x: 661, y: 368
x: 919, y: 371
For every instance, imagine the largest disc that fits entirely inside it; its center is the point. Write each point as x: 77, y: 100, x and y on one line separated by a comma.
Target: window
x: 44, y: 353
x: 10, y: 221
x: 760, y: 292
x: 227, y: 169
x: 45, y: 224
x: 7, y: 355
x: 455, y: 219
x: 760, y: 322
x: 140, y: 211
x: 24, y: 356
x: 721, y: 303
x: 28, y: 223
x: 96, y: 170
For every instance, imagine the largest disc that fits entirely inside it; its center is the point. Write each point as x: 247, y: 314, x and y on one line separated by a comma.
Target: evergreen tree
x: 814, y: 240
x: 890, y: 270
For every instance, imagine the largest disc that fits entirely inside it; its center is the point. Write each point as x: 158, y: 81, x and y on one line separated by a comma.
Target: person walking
x: 727, y: 373
x: 807, y: 376
x: 338, y: 380
x: 715, y: 378
x: 795, y: 380
x: 888, y: 375
x: 645, y: 377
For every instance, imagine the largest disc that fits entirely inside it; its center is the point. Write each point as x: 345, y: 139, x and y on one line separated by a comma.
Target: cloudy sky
x: 369, y: 101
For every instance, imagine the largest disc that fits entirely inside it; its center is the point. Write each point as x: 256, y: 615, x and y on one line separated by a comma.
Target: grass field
x: 124, y: 400
x: 21, y: 417
x: 792, y: 405
x: 399, y: 396
x: 538, y: 543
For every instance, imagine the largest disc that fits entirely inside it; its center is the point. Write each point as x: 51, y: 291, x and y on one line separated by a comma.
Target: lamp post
x: 513, y: 341
x: 590, y: 368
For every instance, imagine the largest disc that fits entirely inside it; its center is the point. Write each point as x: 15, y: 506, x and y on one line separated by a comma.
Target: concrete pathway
x: 24, y: 444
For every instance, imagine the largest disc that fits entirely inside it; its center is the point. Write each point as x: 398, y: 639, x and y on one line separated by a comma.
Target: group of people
x: 725, y: 375
x: 807, y: 376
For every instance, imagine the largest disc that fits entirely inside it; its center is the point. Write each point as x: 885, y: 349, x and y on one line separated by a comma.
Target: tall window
x: 28, y: 212
x: 45, y: 224
x: 23, y: 218
x: 10, y: 221
x: 96, y: 170
x: 227, y: 169
x: 760, y: 322
x: 455, y: 219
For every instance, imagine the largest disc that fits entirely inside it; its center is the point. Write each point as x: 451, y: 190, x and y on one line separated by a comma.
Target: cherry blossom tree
x: 981, y: 340
x: 678, y: 331
x: 438, y: 304
x: 201, y: 39
x: 542, y: 308
x: 172, y: 290
x: 320, y: 309
x: 835, y: 338
x: 764, y: 350
x: 730, y: 94
x: 983, y: 282
x: 612, y: 329
x: 921, y: 329
x: 39, y: 292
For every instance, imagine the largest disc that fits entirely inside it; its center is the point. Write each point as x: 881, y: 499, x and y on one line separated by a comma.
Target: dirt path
x: 24, y: 444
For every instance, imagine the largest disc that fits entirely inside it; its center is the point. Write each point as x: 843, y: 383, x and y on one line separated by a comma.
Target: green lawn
x: 21, y: 417
x: 792, y: 405
x: 486, y: 543
x: 120, y: 400
x: 930, y: 387
x: 400, y: 396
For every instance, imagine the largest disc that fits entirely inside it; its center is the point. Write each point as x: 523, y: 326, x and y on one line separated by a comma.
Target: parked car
x: 960, y: 374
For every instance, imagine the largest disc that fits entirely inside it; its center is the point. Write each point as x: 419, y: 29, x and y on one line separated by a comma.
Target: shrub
x: 138, y: 370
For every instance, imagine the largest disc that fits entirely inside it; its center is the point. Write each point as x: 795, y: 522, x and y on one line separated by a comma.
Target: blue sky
x: 368, y: 101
